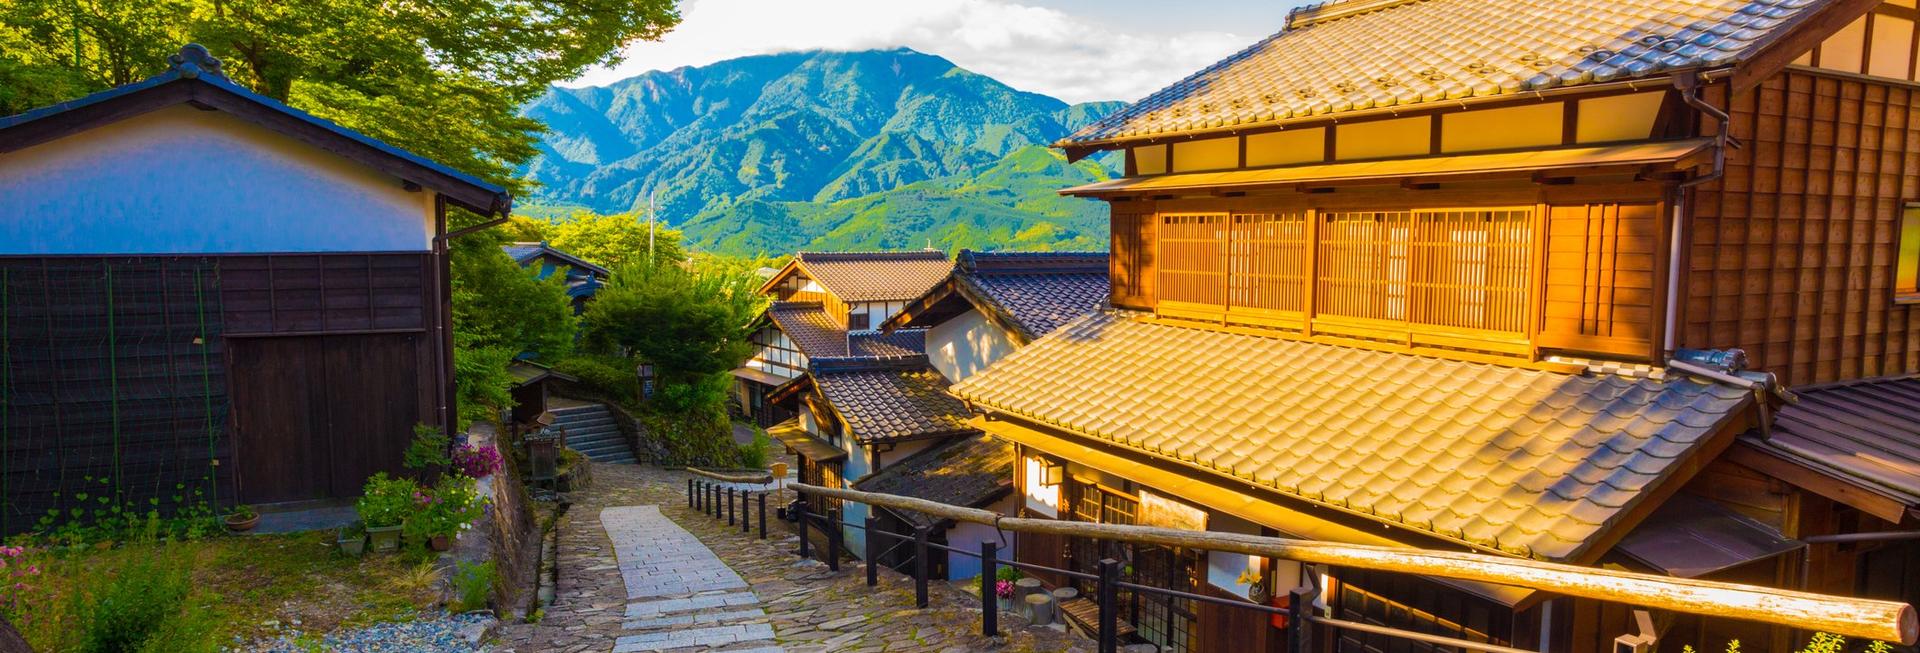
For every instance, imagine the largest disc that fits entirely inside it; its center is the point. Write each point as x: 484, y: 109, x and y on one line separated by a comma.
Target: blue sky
x: 1076, y: 50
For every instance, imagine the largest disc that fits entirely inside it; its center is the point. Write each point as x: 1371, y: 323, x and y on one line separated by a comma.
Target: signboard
x: 1156, y: 510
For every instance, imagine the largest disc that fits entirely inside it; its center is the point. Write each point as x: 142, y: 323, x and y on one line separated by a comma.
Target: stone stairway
x: 681, y: 597
x: 591, y: 431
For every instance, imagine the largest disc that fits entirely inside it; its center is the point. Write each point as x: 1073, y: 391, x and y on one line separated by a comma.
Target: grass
x: 250, y: 586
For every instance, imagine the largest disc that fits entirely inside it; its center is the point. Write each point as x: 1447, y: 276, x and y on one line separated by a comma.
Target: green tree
x: 613, y: 240
x: 693, y: 325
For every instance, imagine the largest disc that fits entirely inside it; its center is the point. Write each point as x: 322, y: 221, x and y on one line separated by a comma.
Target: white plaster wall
x: 1223, y: 568
x: 184, y: 181
x: 966, y: 344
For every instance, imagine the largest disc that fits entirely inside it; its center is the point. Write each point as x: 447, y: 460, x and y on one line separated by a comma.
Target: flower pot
x: 1257, y: 593
x: 238, y: 524
x: 385, y: 538
x: 352, y: 544
x: 440, y: 542
x: 1005, y: 603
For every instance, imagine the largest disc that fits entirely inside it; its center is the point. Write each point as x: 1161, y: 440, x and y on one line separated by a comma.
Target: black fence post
x: 801, y: 506
x: 729, y: 506
x: 763, y: 515
x: 873, y: 554
x: 989, y: 610
x: 689, y: 493
x: 1109, y: 612
x: 835, y: 536
x: 920, y: 566
x: 715, y: 502
x: 1297, y: 600
x: 699, y: 494
x: 746, y: 510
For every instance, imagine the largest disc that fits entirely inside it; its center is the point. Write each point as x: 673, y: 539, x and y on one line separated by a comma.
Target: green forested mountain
x: 823, y: 150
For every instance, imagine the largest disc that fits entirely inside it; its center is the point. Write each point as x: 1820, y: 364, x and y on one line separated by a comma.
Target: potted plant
x: 384, y: 506
x: 242, y: 519
x: 1003, y: 587
x: 353, y: 539
x: 451, y: 506
x: 477, y: 461
x: 1256, y: 585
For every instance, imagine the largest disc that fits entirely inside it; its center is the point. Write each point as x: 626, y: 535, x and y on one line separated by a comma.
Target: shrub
x: 428, y: 449
x: 449, y: 508
x: 19, y: 573
x: 753, y: 455
x: 613, y: 378
x: 473, y: 583
x: 143, y: 607
x: 476, y: 462
x: 386, y: 501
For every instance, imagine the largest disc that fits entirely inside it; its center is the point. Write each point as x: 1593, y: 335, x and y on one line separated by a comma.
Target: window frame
x: 1906, y: 256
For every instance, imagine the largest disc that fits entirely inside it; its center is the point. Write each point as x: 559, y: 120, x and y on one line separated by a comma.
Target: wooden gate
x: 314, y: 416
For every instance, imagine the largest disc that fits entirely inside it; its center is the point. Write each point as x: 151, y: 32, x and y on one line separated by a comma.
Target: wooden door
x: 314, y: 416
x: 277, y: 419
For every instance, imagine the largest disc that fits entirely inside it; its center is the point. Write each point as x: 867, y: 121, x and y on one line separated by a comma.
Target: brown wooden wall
x: 1131, y: 262
x: 1791, y: 254
x: 1602, y: 264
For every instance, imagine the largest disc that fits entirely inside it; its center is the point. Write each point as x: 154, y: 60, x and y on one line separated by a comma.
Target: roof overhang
x: 527, y: 373
x: 762, y: 377
x: 1236, y: 498
x: 212, y: 92
x: 796, y: 438
x: 1694, y: 537
x: 1629, y: 157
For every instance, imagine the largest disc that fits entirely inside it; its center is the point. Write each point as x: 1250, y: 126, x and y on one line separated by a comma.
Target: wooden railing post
x: 835, y: 535
x: 763, y: 515
x: 920, y: 566
x: 1297, y: 600
x: 689, y: 493
x: 989, y: 611
x: 1109, y: 592
x: 746, y: 510
x: 873, y: 550
x: 729, y: 506
x: 805, y: 523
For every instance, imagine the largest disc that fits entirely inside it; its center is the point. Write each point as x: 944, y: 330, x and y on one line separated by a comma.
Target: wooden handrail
x: 1851, y: 617
x: 761, y: 478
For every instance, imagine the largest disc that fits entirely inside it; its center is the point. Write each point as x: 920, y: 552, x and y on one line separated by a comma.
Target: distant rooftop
x: 873, y: 276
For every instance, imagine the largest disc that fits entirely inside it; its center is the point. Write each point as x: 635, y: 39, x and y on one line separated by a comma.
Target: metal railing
x: 717, y: 499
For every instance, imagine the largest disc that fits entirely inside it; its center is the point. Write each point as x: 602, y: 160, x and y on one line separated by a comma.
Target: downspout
x: 1689, y: 88
x: 443, y: 309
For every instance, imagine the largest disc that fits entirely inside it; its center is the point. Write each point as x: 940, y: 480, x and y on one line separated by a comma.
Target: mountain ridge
x: 794, y: 146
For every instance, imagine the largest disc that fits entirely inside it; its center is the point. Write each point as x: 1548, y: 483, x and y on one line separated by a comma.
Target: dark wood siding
x: 1602, y: 273
x: 321, y: 427
x: 1792, y: 254
x: 117, y: 368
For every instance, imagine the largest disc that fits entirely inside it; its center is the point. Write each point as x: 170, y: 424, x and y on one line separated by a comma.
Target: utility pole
x: 651, y: 194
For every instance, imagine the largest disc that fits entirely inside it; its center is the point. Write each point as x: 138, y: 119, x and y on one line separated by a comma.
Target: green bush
x: 610, y: 377
x: 450, y: 507
x: 474, y: 584
x: 142, y: 607
x: 753, y: 455
x: 428, y: 449
x: 386, y: 501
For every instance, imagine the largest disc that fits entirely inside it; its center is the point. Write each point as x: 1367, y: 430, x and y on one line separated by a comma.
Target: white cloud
x: 1030, y: 48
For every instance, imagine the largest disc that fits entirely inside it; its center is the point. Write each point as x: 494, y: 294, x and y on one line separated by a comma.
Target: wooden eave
x: 213, y: 93
x: 1644, y: 158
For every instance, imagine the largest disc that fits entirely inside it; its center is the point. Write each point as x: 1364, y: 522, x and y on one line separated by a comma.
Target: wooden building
x: 995, y: 302
x: 583, y: 277
x: 203, y: 290
x: 1504, y: 276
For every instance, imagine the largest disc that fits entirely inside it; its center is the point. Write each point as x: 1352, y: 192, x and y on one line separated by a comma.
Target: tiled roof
x: 794, y: 436
x: 810, y: 328
x: 524, y: 253
x: 1368, y: 54
x: 1530, y: 462
x: 1866, y: 432
x: 875, y: 344
x: 876, y: 276
x: 1036, y: 291
x: 881, y: 405
x: 520, y: 252
x: 969, y: 472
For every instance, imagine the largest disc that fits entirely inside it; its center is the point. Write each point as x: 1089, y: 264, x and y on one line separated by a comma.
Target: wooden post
x: 989, y: 611
x: 689, y: 492
x: 805, y: 523
x: 729, y: 506
x: 920, y: 566
x: 746, y: 511
x: 763, y: 515
x: 1297, y: 600
x: 1109, y: 595
x: 873, y: 552
x: 1850, y: 617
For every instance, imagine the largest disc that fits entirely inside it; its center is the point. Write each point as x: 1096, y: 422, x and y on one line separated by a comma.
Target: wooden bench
x: 1085, y: 615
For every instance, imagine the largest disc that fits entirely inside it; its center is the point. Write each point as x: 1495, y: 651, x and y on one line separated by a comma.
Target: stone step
x: 667, y: 607
x: 584, y: 421
x: 710, y: 636
x: 596, y: 434
x: 601, y: 448
x: 701, y: 618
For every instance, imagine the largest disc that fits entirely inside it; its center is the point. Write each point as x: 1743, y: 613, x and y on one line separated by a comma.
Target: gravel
x: 443, y: 633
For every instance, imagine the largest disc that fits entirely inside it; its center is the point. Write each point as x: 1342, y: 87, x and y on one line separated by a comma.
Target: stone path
x: 677, y: 584
x: 808, y: 608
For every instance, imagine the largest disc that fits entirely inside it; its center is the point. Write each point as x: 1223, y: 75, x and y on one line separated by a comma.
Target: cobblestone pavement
x: 809, y: 609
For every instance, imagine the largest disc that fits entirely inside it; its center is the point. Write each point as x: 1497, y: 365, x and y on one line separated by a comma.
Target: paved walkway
x: 631, y: 534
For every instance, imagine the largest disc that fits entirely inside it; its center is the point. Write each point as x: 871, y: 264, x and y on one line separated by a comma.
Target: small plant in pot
x: 242, y: 519
x: 451, y: 506
x: 353, y: 539
x: 385, y: 505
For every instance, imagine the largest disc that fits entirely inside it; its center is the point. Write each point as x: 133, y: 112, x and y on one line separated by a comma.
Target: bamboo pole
x: 761, y: 478
x: 1851, y: 617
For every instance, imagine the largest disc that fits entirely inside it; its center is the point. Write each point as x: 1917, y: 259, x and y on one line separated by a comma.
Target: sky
x: 1075, y: 50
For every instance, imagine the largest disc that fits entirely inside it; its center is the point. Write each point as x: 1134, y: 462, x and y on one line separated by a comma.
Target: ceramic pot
x: 352, y: 544
x: 385, y: 538
x: 238, y: 525
x: 440, y: 542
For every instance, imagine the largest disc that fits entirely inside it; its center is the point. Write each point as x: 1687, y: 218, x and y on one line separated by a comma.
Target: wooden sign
x: 1156, y: 510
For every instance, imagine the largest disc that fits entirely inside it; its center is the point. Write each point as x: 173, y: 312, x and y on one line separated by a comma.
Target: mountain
x: 771, y: 153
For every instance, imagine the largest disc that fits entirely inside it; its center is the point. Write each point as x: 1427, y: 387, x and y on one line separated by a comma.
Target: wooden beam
x: 1881, y: 620
x: 1800, y: 476
x: 1790, y: 42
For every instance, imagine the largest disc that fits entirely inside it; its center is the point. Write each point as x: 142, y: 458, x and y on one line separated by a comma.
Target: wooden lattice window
x: 1906, y: 281
x: 1451, y: 268
x: 1193, y: 257
x: 1364, y: 264
x: 1267, y: 261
